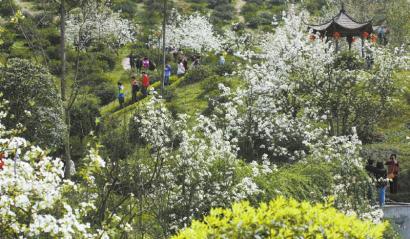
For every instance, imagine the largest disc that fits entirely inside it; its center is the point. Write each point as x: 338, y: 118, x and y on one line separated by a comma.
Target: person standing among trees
x: 167, y: 74
x: 195, y: 63
x: 134, y: 88
x: 185, y: 63
x: 221, y: 59
x: 370, y: 168
x: 371, y: 171
x: 145, y: 83
x: 132, y: 61
x: 1, y: 161
x: 121, y: 94
x: 381, y: 181
x: 393, y: 173
x: 181, y: 69
x: 145, y: 63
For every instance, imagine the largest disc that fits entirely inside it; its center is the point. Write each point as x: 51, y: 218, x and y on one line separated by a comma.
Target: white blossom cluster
x: 281, y: 114
x: 198, y: 173
x: 96, y: 22
x: 33, y: 193
x: 192, y: 32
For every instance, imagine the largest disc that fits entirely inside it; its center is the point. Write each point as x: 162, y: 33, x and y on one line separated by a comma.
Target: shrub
x: 83, y: 114
x: 254, y: 22
x: 198, y: 74
x: 34, y: 102
x: 227, y: 68
x: 300, y: 181
x: 281, y: 218
x: 105, y: 91
x: 198, y: 8
x: 127, y: 8
x: 407, y: 96
x: 6, y: 8
x: 266, y: 18
x: 223, y: 13
x: 249, y: 9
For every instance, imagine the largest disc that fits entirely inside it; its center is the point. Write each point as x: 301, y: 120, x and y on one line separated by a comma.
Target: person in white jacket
x: 181, y: 69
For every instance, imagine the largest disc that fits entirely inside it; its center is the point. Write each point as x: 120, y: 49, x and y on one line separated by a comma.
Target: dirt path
x: 238, y: 6
x: 400, y: 215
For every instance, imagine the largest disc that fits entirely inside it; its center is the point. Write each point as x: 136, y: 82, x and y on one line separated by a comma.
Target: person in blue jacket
x: 167, y: 74
x: 121, y: 94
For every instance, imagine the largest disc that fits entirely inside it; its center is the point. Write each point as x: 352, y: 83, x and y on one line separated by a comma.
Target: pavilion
x: 342, y: 25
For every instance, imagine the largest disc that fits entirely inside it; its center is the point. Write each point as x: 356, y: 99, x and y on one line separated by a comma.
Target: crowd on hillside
x: 145, y: 65
x: 385, y: 178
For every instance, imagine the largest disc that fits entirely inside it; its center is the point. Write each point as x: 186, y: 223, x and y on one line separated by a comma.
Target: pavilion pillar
x: 362, y: 46
x: 336, y: 45
x: 349, y: 40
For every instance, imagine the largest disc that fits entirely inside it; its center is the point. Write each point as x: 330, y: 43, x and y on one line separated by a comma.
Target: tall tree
x: 63, y: 85
x: 34, y: 102
x: 91, y: 21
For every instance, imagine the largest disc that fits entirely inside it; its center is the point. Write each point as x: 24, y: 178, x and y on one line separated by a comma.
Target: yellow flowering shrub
x: 281, y: 218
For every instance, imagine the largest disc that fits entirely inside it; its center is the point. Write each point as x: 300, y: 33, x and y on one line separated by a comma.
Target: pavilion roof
x: 344, y: 24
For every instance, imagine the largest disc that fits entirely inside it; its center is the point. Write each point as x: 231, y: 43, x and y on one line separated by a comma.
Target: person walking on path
x: 1, y: 161
x: 221, y: 59
x: 195, y: 63
x: 393, y: 173
x: 145, y: 83
x: 370, y: 168
x: 167, y: 74
x: 134, y: 88
x: 381, y: 181
x: 121, y: 94
x: 371, y: 171
x: 181, y: 69
x: 185, y: 63
x: 145, y: 63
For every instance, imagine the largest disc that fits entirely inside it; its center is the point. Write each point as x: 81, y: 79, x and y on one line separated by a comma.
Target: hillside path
x: 238, y: 6
x: 400, y: 215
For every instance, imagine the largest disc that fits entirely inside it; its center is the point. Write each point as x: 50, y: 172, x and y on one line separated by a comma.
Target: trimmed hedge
x: 281, y: 218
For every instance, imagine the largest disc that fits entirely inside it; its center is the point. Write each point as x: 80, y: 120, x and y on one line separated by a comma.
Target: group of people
x: 145, y: 65
x: 383, y: 177
x: 183, y: 65
x: 142, y: 64
x: 136, y: 86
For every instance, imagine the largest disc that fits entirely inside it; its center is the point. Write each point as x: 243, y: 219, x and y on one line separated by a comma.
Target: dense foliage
x: 34, y: 195
x: 280, y: 218
x: 33, y: 101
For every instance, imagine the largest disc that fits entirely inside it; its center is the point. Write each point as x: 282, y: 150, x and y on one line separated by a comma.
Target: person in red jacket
x: 145, y: 83
x: 1, y: 161
x: 393, y: 173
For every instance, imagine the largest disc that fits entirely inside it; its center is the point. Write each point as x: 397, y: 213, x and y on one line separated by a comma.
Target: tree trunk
x: 63, y: 83
x: 163, y: 48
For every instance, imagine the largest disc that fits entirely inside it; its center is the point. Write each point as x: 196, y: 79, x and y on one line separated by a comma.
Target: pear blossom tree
x: 193, y: 32
x: 36, y: 200
x: 96, y: 22
x: 338, y: 85
x: 178, y: 172
x: 92, y: 22
x: 295, y: 106
x: 32, y: 193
